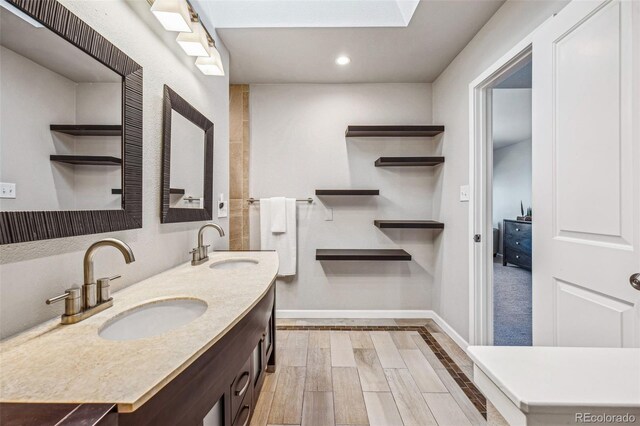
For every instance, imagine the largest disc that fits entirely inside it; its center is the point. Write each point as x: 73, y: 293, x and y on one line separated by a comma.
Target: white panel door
x: 586, y: 179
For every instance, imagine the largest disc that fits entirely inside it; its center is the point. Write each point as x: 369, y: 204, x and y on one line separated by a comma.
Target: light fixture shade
x: 194, y: 43
x: 173, y: 14
x: 212, y: 64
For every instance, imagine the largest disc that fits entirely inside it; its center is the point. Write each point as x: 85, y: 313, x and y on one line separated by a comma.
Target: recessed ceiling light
x: 343, y: 60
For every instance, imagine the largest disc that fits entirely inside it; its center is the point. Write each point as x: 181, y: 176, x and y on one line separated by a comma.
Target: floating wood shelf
x: 362, y: 254
x: 408, y: 224
x: 178, y: 191
x: 347, y: 192
x: 89, y: 160
x: 116, y: 191
x: 88, y: 129
x: 408, y: 161
x: 393, y: 131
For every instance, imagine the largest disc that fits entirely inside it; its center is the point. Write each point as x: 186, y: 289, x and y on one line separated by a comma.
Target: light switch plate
x: 222, y: 211
x: 7, y: 190
x: 464, y: 193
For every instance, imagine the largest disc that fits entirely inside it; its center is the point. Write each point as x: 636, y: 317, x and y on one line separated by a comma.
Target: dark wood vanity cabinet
x: 221, y: 386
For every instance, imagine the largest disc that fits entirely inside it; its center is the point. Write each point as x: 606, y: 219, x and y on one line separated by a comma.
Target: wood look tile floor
x: 348, y: 378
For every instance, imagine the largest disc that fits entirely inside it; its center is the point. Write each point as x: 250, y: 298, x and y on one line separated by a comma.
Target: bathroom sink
x: 237, y: 263
x: 152, y: 319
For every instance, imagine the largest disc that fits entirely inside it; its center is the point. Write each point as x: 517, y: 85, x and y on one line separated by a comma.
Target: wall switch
x: 7, y: 190
x: 464, y: 193
x: 222, y: 207
x: 328, y: 214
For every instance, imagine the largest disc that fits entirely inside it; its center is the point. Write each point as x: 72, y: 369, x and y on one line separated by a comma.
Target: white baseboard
x: 354, y: 314
x: 373, y: 314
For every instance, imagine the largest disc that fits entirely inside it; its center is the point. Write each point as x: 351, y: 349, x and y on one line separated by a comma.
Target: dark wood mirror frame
x: 174, y: 102
x: 23, y: 226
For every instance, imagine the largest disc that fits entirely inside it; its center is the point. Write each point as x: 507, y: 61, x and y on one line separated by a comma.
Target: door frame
x: 481, y: 191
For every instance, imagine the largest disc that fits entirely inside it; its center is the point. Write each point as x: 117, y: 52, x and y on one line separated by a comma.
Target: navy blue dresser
x: 516, y: 243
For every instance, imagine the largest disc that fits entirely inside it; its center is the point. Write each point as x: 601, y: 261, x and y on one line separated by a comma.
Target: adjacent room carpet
x: 511, y: 305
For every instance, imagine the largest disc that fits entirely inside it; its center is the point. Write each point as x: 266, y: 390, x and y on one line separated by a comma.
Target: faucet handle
x: 104, y: 288
x: 72, y: 301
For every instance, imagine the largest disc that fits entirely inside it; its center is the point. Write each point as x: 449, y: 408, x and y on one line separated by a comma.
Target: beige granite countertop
x: 54, y: 363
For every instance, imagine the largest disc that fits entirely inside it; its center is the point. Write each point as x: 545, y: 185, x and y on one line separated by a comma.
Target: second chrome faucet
x: 94, y: 296
x: 200, y: 254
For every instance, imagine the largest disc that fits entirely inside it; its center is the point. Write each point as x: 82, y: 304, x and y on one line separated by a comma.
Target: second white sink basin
x: 238, y: 263
x: 152, y: 319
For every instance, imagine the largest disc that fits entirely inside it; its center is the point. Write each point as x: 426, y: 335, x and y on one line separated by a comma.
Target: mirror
x: 187, y: 162
x: 61, y: 115
x: 69, y: 165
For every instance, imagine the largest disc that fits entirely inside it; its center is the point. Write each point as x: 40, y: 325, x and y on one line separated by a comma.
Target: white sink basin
x: 152, y: 319
x: 238, y: 263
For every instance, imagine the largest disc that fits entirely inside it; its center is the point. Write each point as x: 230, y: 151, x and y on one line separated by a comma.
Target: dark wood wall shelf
x: 88, y: 160
x: 362, y: 254
x: 408, y: 224
x: 88, y: 129
x: 116, y: 191
x: 394, y: 131
x: 347, y: 192
x: 408, y: 161
x: 178, y: 191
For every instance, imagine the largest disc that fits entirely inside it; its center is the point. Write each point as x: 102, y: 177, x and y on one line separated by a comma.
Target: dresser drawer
x: 518, y: 258
x: 520, y: 241
x: 517, y: 228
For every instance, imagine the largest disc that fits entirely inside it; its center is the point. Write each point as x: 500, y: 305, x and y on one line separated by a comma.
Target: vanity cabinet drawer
x: 240, y: 387
x: 244, y: 414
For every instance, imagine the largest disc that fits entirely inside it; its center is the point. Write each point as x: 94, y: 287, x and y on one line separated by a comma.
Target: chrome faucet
x: 94, y: 296
x: 200, y: 254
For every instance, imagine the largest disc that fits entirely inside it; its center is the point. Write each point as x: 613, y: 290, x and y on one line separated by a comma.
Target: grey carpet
x: 511, y: 305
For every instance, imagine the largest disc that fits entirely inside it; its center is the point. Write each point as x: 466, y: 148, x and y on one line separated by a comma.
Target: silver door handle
x: 635, y: 281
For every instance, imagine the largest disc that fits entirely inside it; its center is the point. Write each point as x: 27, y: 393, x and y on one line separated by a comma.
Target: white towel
x: 284, y: 243
x: 278, y: 215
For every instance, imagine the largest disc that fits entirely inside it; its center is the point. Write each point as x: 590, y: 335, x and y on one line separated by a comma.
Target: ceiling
x: 51, y: 51
x: 419, y: 52
x: 511, y: 116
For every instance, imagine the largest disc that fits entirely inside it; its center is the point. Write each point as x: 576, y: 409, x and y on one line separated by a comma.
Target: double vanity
x: 188, y: 346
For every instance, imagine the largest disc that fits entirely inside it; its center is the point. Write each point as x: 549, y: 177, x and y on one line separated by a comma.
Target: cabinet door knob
x: 517, y: 243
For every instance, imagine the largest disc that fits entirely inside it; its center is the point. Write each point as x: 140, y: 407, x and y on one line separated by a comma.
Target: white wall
x: 298, y: 146
x: 513, y: 21
x: 32, y: 272
x: 511, y: 182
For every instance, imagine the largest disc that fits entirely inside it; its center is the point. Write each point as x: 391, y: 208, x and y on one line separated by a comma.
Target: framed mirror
x: 71, y: 136
x: 187, y: 162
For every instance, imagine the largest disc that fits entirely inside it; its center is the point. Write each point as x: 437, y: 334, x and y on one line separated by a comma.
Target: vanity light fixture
x: 194, y: 38
x: 194, y: 43
x: 211, y: 64
x: 343, y: 60
x: 173, y: 14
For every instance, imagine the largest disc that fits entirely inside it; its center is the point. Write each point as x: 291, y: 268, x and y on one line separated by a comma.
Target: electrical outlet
x: 7, y: 190
x: 328, y: 214
x: 464, y: 193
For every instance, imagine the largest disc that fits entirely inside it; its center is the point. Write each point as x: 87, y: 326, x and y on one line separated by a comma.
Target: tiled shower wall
x: 238, y: 167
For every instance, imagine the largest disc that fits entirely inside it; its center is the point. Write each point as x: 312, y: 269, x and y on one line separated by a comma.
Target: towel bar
x: 305, y: 200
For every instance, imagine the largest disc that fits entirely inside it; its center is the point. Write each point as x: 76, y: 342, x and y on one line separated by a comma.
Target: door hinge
x: 477, y: 238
